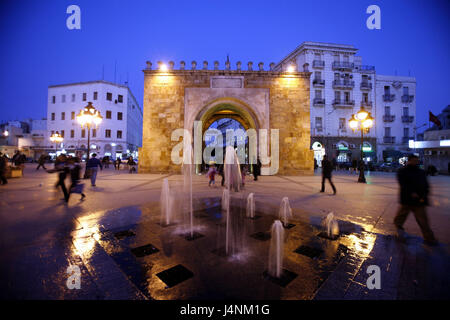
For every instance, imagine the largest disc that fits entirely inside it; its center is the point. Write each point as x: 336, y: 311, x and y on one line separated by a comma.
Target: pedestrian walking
x: 62, y: 169
x: 92, y: 165
x: 414, y: 190
x: 41, y: 162
x: 221, y: 174
x: 75, y: 171
x: 3, y: 167
x: 211, y: 175
x: 354, y: 165
x: 117, y: 163
x: 327, y: 168
x: 131, y: 164
x: 256, y: 170
x: 243, y: 172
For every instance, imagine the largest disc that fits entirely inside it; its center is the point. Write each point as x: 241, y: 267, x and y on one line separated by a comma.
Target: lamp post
x: 363, y: 121
x: 88, y: 117
x: 56, y: 138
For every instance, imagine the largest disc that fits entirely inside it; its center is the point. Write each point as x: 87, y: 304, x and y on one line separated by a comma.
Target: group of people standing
x: 213, y: 170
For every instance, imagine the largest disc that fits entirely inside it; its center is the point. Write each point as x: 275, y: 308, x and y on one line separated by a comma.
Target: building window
x: 94, y: 133
x: 342, y: 123
x: 83, y: 133
x: 337, y: 95
x: 120, y: 98
x: 54, y: 99
x: 406, y: 111
x: 365, y: 97
x: 387, y: 110
x: 119, y: 115
x: 119, y: 134
x: 318, y: 94
x: 53, y: 116
x: 62, y: 133
x: 107, y: 133
x: 72, y: 115
x: 109, y: 96
x: 95, y: 95
x: 63, y: 98
x: 318, y: 123
x: 406, y: 132
x: 347, y: 96
x: 84, y: 96
x: 387, y: 131
x: 405, y: 91
x: 387, y: 90
x: 63, y: 116
x: 72, y: 133
x: 73, y: 97
x: 108, y: 114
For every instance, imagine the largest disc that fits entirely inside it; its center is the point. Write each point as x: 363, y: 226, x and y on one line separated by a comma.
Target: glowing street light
x: 362, y: 121
x: 163, y: 67
x: 6, y: 133
x: 89, y: 117
x: 56, y: 138
x: 290, y: 68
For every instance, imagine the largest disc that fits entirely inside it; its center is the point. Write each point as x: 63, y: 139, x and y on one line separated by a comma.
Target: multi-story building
x: 120, y: 132
x: 340, y: 86
x: 396, y: 115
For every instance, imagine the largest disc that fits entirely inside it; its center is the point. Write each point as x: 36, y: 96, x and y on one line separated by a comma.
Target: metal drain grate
x: 286, y: 277
x: 124, y: 234
x: 261, y: 236
x: 324, y: 235
x: 144, y: 250
x: 309, y: 251
x: 175, y: 275
x: 194, y: 236
x: 289, y: 225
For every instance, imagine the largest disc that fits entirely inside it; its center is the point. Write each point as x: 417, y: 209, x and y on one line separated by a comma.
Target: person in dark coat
x: 3, y: 166
x: 75, y: 173
x: 41, y: 162
x: 327, y: 168
x: 414, y: 190
x: 62, y: 169
x: 92, y: 165
x: 256, y: 170
x: 221, y: 174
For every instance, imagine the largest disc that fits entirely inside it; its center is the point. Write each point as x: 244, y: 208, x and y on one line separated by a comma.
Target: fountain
x: 276, y: 250
x: 285, y: 211
x: 188, y: 169
x: 166, y: 204
x: 250, y: 206
x: 232, y: 170
x: 332, y: 226
x: 225, y: 199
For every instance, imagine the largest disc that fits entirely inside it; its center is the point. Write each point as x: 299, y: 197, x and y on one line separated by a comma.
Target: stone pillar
x: 272, y: 66
x: 238, y: 65
x: 261, y: 66
x: 160, y: 63
x: 205, y: 65
x: 171, y: 64
x: 250, y: 66
x: 216, y: 65
x: 227, y: 65
x: 149, y: 65
x: 182, y: 65
x: 194, y: 65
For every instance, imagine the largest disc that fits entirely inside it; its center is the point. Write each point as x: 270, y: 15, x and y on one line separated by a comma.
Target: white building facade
x: 118, y: 135
x: 340, y: 86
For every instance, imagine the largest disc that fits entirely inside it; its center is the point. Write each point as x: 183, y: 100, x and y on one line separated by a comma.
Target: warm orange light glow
x: 89, y: 116
x: 163, y: 67
x: 291, y: 68
x: 362, y: 115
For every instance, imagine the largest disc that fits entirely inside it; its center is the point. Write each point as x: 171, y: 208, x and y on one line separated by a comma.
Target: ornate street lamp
x: 89, y: 117
x: 56, y: 138
x: 363, y: 121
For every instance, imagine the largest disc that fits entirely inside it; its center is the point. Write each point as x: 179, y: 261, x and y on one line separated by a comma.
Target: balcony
x: 344, y: 103
x: 407, y: 98
x: 337, y: 65
x: 407, y: 119
x: 388, y: 118
x: 318, y: 102
x: 366, y: 104
x: 318, y: 64
x: 365, y: 68
x: 319, y: 82
x: 343, y: 84
x: 387, y: 97
x: 388, y: 139
x: 405, y: 140
x: 365, y: 85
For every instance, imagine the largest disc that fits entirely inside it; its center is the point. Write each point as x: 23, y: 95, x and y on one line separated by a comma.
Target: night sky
x: 38, y: 50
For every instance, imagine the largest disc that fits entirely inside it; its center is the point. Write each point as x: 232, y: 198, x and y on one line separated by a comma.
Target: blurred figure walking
x: 3, y: 166
x: 327, y: 168
x: 41, y: 162
x: 414, y: 189
x: 92, y: 165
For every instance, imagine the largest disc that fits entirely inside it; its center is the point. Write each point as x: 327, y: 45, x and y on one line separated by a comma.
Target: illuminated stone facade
x: 258, y: 99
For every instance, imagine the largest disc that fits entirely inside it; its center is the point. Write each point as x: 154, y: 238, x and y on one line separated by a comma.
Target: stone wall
x: 165, y: 110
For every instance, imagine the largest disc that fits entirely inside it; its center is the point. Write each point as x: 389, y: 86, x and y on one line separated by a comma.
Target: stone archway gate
x: 270, y: 99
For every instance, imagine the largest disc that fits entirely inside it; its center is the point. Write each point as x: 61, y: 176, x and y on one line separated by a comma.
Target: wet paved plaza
x: 123, y: 251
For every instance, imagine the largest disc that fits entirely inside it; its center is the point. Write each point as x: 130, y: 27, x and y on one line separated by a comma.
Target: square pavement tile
x: 309, y: 251
x: 124, y: 234
x: 286, y: 277
x: 324, y: 235
x: 143, y: 251
x: 194, y: 236
x: 175, y: 275
x: 261, y: 236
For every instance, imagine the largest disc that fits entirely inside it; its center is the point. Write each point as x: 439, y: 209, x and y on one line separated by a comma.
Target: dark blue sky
x: 38, y: 50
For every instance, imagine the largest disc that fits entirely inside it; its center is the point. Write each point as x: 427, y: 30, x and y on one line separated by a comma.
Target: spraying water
x: 166, y: 204
x: 331, y: 225
x: 232, y: 170
x: 250, y: 206
x: 225, y: 199
x: 188, y: 169
x: 285, y: 211
x: 276, y: 250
